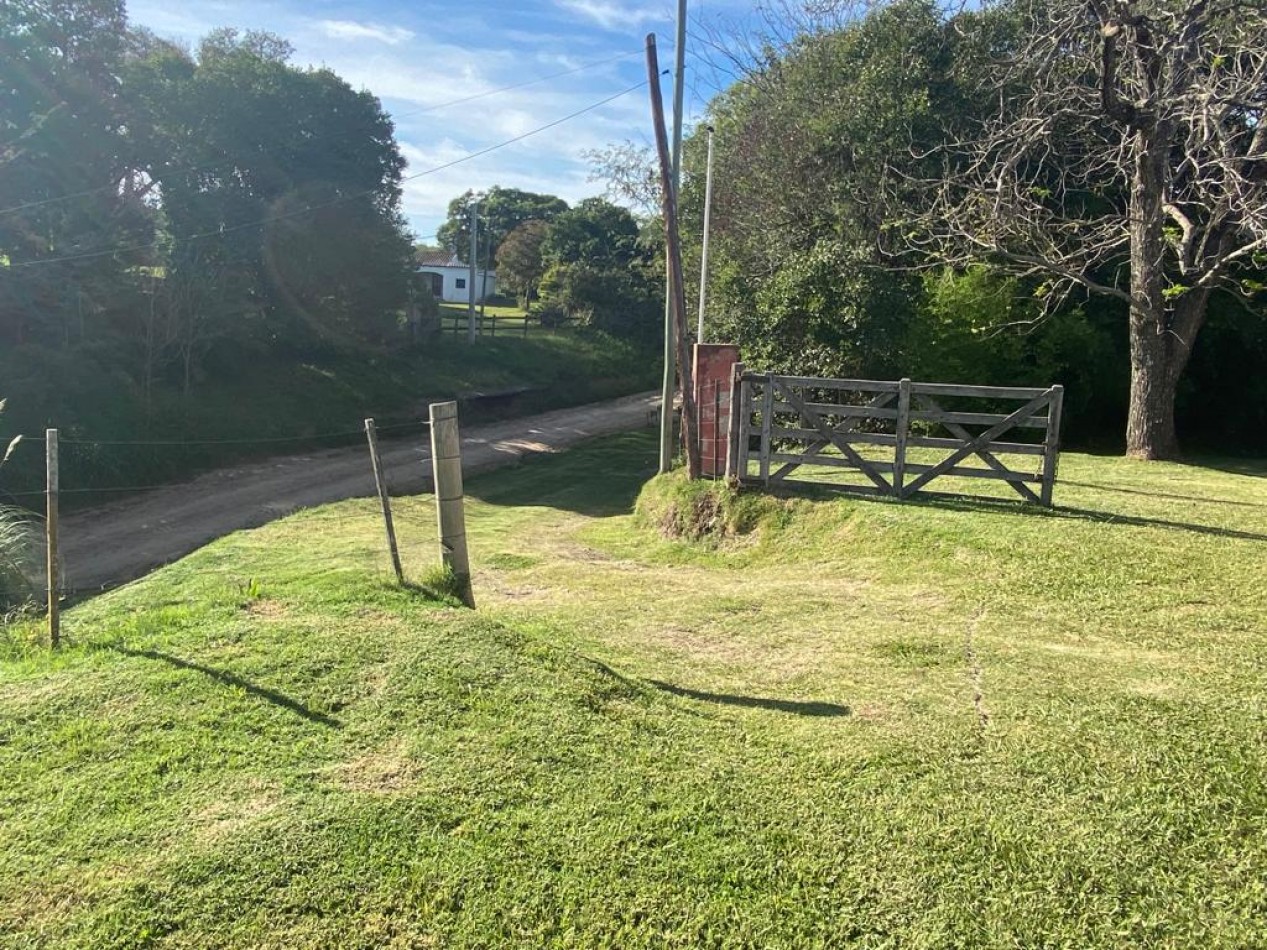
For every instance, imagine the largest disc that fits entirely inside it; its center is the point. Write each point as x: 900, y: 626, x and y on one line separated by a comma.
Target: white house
x: 449, y: 278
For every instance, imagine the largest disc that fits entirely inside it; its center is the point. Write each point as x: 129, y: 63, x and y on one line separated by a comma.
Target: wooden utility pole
x: 670, y: 356
x: 53, y: 572
x: 470, y: 280
x: 673, y: 250
x: 446, y: 468
x: 384, y: 500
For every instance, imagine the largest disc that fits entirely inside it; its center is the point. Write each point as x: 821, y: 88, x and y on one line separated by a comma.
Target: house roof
x: 437, y: 259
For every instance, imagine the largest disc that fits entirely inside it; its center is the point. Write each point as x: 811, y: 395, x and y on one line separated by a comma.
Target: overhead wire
x: 394, y: 116
x: 105, y: 252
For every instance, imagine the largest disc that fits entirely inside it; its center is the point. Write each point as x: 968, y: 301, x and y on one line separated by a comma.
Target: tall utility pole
x: 673, y: 264
x: 670, y: 369
x: 703, y: 264
x: 470, y: 283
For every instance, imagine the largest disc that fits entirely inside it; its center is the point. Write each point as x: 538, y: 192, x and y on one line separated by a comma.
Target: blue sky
x: 420, y: 54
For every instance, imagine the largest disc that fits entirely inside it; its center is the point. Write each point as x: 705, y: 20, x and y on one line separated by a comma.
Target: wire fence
x: 37, y: 574
x: 92, y: 466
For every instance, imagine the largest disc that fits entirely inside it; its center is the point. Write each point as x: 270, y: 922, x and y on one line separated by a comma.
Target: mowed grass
x: 862, y: 724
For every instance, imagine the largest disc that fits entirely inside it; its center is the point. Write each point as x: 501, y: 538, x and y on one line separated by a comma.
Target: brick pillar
x: 714, y: 366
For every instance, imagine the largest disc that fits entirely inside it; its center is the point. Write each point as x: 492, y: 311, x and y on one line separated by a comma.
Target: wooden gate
x: 887, y: 436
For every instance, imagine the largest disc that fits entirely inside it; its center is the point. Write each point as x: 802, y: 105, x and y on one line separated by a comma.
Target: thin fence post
x: 446, y: 467
x: 1051, y: 444
x: 901, y: 432
x: 740, y: 419
x: 53, y: 572
x: 767, y: 423
x: 384, y: 500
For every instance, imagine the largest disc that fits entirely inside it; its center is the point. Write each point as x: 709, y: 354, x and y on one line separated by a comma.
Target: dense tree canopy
x: 160, y: 203
x: 857, y: 160
x: 501, y: 210
x: 1124, y: 156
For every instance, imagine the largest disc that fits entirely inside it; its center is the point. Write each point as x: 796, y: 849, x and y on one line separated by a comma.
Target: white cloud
x: 420, y: 72
x: 610, y: 14
x: 352, y: 30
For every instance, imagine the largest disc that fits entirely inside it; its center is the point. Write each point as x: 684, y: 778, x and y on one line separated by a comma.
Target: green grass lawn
x: 861, y: 723
x: 497, y: 319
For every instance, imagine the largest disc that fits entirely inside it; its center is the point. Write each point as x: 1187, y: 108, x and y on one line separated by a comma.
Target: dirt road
x: 122, y: 541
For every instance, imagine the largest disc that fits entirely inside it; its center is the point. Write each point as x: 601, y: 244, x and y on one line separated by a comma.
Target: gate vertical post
x: 1051, y: 444
x: 767, y: 423
x: 740, y: 414
x: 901, y: 431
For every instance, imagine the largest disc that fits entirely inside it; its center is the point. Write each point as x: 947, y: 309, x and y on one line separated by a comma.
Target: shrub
x: 16, y: 587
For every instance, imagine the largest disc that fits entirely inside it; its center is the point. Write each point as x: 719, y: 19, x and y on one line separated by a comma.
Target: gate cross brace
x: 879, y: 402
x: 976, y: 444
x: 830, y: 434
x: 959, y: 432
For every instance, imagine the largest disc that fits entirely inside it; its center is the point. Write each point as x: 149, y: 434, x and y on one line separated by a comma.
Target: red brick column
x: 714, y: 366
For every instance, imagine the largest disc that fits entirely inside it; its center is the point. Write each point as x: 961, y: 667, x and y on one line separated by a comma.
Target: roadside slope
x: 118, y: 542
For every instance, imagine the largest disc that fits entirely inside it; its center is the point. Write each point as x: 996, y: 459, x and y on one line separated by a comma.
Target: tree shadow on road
x: 600, y: 478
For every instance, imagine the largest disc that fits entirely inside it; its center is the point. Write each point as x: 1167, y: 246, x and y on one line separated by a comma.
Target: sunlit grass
x: 858, y: 722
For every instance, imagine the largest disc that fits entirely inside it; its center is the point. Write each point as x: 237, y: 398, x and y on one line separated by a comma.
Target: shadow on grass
x: 1138, y: 521
x: 600, y: 478
x: 725, y: 699
x: 232, y: 679
x: 755, y: 702
x: 1018, y: 507
x: 1167, y: 495
x: 1254, y: 468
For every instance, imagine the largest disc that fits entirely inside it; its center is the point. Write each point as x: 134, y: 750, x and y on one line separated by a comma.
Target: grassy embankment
x: 860, y: 723
x: 289, y: 400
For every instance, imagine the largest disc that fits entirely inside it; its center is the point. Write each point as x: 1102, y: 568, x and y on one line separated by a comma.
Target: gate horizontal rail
x: 798, y: 421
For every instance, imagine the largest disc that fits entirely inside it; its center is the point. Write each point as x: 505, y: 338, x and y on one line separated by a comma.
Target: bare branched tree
x: 1127, y: 156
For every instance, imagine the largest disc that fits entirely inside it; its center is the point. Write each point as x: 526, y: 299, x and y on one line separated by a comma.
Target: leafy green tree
x: 67, y: 173
x: 621, y: 301
x: 805, y: 145
x: 595, y: 232
x: 1123, y: 158
x: 600, y: 272
x: 501, y: 210
x: 520, y: 266
x: 283, y: 184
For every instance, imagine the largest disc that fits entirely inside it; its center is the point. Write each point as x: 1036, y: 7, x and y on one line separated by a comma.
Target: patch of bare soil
x: 385, y: 771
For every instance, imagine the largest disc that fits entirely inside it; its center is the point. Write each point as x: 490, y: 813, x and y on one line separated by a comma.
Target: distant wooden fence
x: 871, y: 426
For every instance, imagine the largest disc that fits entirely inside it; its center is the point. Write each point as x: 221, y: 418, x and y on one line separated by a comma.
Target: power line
x: 106, y: 252
x: 395, y: 116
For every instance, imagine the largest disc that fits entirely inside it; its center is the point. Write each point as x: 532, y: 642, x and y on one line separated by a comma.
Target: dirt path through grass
x: 115, y: 543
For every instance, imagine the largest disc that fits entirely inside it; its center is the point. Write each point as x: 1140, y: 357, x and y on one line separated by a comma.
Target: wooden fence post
x: 53, y: 572
x: 384, y: 500
x: 446, y: 467
x: 1051, y: 444
x: 734, y: 427
x: 901, y: 431
x: 767, y: 423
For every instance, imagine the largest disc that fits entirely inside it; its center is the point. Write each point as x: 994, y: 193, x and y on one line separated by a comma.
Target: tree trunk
x: 1157, y: 355
x: 1150, y: 421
